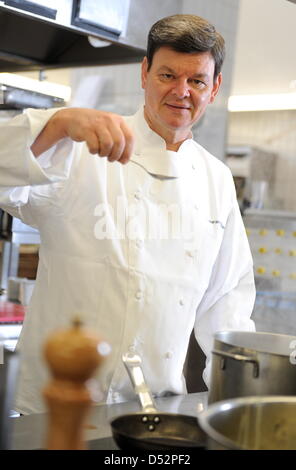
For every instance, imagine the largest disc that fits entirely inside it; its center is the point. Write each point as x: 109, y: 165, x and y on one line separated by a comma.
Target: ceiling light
x: 272, y: 102
x: 96, y: 42
x: 44, y: 87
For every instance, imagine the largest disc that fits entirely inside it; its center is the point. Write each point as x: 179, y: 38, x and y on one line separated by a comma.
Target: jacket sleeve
x: 229, y: 299
x: 19, y: 169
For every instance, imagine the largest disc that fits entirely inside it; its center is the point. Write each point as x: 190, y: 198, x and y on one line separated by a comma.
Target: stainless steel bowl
x: 251, y: 423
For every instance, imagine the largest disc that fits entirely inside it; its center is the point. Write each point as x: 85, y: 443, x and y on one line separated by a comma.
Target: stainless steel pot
x: 252, y: 363
x: 251, y: 423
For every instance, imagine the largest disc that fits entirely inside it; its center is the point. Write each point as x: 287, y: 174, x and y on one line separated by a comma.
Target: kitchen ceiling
x: 265, y: 58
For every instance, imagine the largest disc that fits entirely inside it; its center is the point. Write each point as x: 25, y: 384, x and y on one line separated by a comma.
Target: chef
x: 141, y: 234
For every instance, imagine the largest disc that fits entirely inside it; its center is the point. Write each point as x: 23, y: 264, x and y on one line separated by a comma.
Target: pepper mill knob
x: 72, y: 355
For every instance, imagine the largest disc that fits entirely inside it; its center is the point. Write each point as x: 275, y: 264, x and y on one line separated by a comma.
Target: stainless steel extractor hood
x: 16, y: 98
x: 32, y: 39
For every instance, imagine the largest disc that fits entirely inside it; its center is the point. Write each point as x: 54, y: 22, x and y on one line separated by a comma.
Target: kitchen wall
x: 274, y: 131
x: 272, y: 238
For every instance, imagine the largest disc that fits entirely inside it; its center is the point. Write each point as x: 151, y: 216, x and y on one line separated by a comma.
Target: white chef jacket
x: 143, y: 252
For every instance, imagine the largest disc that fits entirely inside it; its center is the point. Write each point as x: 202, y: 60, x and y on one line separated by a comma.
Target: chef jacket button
x: 193, y: 166
x: 191, y: 253
x: 137, y: 195
x: 139, y: 295
x: 139, y: 243
x: 181, y: 302
x: 168, y: 355
x: 196, y: 207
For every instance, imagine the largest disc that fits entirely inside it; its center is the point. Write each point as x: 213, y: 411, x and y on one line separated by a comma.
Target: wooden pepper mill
x: 72, y: 356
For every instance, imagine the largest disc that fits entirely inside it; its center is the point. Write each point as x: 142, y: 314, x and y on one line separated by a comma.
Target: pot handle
x: 133, y: 365
x: 238, y: 357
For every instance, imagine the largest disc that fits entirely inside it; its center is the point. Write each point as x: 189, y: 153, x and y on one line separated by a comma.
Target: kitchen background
x: 257, y: 141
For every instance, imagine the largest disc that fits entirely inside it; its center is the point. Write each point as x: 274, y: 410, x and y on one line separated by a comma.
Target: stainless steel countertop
x: 29, y: 431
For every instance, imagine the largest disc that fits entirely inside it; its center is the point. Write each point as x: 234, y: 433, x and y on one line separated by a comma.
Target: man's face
x: 178, y: 88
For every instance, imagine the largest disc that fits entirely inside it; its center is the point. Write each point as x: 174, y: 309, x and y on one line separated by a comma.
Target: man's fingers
x: 116, y: 142
x: 92, y: 142
x: 105, y: 134
x: 106, y: 143
x: 118, y: 146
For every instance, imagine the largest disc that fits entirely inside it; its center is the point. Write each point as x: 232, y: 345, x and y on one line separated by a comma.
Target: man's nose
x: 181, y: 88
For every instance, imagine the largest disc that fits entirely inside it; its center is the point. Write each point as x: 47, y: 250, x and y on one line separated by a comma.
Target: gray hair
x: 186, y: 33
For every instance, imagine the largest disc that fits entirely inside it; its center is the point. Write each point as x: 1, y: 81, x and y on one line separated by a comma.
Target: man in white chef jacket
x: 140, y: 228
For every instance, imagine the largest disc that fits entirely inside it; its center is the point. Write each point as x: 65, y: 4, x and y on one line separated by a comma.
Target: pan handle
x: 133, y: 365
x: 238, y: 357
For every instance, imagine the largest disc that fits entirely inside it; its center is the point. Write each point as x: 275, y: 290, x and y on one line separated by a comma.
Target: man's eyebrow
x: 201, y: 75
x: 165, y: 68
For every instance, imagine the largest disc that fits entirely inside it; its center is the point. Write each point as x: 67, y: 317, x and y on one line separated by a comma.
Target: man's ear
x: 144, y: 71
x: 216, y: 87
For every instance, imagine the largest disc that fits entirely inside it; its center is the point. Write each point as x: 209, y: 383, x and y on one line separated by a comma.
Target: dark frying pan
x: 151, y: 429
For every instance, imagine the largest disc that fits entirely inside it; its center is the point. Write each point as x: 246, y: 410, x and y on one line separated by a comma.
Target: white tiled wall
x: 272, y: 238
x: 274, y: 131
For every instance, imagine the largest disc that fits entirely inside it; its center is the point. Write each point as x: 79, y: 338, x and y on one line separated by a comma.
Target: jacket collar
x: 150, y: 151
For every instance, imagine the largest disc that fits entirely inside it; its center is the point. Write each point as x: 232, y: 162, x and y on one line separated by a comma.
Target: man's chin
x: 177, y: 124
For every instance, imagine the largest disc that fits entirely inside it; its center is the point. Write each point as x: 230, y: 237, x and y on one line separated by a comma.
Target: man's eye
x: 198, y: 83
x: 166, y: 76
